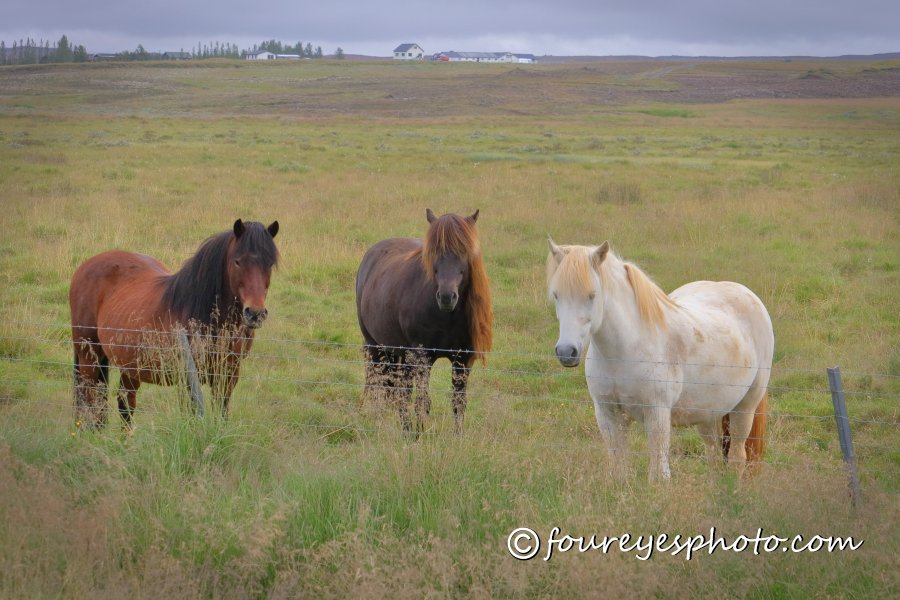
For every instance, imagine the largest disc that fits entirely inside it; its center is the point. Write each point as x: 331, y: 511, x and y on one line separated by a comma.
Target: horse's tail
x: 756, y: 440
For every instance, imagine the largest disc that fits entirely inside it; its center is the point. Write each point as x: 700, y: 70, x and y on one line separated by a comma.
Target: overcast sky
x: 557, y: 27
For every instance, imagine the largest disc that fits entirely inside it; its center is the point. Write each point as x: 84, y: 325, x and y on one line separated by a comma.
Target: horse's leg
x: 402, y: 384
x: 460, y: 380
x: 613, y: 431
x: 740, y: 422
x: 91, y: 372
x: 126, y: 397
x: 420, y: 375
x: 658, y: 424
x: 711, y: 433
x: 223, y: 376
x: 232, y: 372
x: 376, y: 371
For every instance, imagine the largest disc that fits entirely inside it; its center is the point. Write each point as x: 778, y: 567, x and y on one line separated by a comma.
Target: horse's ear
x: 273, y: 228
x: 474, y: 216
x: 430, y: 215
x: 600, y: 254
x: 238, y: 228
x: 557, y: 252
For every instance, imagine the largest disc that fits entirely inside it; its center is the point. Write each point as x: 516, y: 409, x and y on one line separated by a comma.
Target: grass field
x: 781, y: 175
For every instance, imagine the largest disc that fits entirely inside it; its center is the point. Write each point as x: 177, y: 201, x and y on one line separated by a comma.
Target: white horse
x: 700, y: 356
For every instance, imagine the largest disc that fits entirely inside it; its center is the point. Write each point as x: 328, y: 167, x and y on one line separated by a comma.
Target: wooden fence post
x: 843, y: 426
x: 193, y: 378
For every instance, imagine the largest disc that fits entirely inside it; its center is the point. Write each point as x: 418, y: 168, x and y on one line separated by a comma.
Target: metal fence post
x: 843, y: 426
x: 193, y: 378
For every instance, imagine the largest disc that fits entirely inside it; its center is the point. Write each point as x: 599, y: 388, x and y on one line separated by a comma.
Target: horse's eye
x: 555, y: 297
x: 591, y: 296
x: 237, y: 262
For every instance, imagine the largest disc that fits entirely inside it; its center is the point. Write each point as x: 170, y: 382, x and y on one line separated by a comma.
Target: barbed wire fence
x: 34, y: 368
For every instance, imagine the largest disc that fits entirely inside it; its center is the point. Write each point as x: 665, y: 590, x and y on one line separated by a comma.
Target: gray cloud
x: 654, y: 27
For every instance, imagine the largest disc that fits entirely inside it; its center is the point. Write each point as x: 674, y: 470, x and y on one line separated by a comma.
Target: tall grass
x: 309, y: 491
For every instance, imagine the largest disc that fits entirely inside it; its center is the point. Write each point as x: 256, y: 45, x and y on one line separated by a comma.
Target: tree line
x: 277, y: 47
x: 29, y: 52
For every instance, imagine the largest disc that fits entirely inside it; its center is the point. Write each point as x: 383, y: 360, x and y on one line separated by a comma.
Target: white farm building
x: 266, y: 55
x: 409, y: 52
x: 489, y: 57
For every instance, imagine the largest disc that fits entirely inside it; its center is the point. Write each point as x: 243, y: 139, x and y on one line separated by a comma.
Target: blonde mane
x: 651, y: 300
x: 573, y: 277
x: 456, y: 235
x: 573, y: 272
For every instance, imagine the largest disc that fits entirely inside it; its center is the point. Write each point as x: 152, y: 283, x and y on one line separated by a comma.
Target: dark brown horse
x: 125, y: 308
x: 420, y: 301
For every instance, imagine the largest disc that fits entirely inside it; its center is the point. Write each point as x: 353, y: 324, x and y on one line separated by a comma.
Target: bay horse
x: 126, y: 307
x: 418, y: 301
x: 699, y: 356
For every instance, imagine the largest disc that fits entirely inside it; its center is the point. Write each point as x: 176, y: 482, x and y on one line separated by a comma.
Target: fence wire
x: 489, y: 385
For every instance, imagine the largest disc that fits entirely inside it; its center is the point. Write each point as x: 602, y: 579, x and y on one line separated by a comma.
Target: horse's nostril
x: 573, y: 353
x: 255, y: 315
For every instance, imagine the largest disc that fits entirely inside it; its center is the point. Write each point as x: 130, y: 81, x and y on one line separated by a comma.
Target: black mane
x: 200, y: 290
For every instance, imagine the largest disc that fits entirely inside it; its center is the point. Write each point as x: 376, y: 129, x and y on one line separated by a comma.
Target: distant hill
x: 551, y: 59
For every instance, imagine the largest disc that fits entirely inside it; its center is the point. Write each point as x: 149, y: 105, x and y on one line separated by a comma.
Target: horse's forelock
x: 197, y: 291
x: 256, y: 241
x: 457, y: 235
x: 451, y: 234
x: 571, y: 276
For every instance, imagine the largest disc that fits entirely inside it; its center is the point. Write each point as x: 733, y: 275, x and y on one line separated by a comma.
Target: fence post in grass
x: 192, y: 377
x: 843, y: 427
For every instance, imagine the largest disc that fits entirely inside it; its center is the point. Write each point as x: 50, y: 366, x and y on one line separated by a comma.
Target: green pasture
x: 307, y: 490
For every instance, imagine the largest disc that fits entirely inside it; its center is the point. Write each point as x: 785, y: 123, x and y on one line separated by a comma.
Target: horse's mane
x: 651, y: 300
x: 199, y: 290
x: 573, y: 276
x: 457, y: 235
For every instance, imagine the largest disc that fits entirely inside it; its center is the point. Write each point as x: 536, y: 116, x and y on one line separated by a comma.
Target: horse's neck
x: 622, y: 331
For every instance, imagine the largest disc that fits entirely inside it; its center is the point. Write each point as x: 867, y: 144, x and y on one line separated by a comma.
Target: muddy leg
x: 420, y: 367
x: 91, y: 372
x: 460, y: 380
x: 378, y: 376
x: 403, y: 383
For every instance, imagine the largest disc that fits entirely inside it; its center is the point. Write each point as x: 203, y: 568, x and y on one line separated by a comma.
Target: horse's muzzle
x: 253, y: 319
x: 568, y: 355
x: 447, y: 302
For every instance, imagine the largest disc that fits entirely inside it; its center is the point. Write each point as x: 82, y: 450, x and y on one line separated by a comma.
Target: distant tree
x: 339, y: 53
x: 140, y: 53
x: 80, y: 54
x: 2, y: 52
x: 29, y: 55
x: 64, y: 50
x: 309, y: 50
x: 319, y: 53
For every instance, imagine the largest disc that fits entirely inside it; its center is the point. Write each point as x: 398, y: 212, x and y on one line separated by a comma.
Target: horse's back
x: 103, y: 279
x: 382, y: 280
x: 724, y: 308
